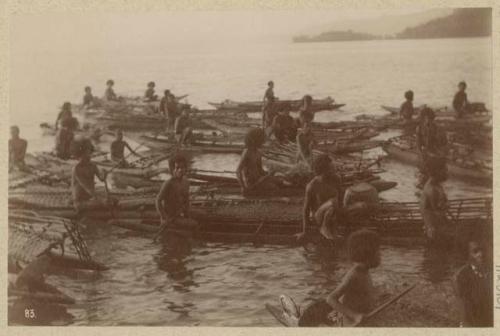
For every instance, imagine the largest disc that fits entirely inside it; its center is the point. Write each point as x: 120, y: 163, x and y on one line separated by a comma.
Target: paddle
x: 385, y: 305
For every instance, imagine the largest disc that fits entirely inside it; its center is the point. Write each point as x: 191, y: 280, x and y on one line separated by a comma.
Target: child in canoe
x: 149, y: 95
x: 348, y: 304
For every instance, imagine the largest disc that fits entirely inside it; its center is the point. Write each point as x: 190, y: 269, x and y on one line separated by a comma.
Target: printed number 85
x: 29, y: 313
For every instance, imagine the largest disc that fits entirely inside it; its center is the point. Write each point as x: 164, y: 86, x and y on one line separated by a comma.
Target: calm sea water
x: 189, y: 283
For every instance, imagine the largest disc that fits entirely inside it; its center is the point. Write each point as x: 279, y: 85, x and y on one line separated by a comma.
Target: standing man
x: 431, y: 142
x: 173, y: 199
x: 460, y: 102
x: 268, y: 106
x: 17, y: 150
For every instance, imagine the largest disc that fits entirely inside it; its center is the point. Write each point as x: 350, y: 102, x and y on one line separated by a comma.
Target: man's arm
x: 306, y: 209
x: 240, y: 168
x: 334, y: 298
x: 186, y: 201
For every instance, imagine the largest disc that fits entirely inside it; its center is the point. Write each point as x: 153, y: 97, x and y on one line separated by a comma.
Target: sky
x: 88, y: 31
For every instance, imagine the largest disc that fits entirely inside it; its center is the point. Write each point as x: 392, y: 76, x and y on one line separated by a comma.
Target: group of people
x: 324, y: 205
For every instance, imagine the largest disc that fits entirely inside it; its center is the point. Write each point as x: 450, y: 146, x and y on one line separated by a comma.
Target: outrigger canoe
x: 410, y: 156
x: 276, y: 222
x: 252, y: 106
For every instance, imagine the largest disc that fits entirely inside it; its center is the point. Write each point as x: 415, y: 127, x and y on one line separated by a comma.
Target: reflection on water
x: 182, y: 282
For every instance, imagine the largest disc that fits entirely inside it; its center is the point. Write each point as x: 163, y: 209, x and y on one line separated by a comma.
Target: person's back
x: 83, y: 173
x: 323, y: 189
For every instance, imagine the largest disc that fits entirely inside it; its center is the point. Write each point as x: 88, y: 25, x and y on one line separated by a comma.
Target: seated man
x: 149, y: 95
x: 183, y: 130
x: 110, y: 94
x: 173, y: 199
x: 117, y: 149
x: 89, y: 101
x: 283, y: 126
x: 82, y: 178
x: 322, y: 198
x: 17, y: 150
x: 252, y: 177
x: 305, y: 144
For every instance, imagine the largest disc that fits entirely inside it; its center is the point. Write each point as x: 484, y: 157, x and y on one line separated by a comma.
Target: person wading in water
x: 82, y: 179
x: 433, y: 201
x: 431, y: 142
x: 172, y: 202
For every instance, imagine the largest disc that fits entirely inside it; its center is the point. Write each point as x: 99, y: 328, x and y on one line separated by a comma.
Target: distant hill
x: 336, y: 36
x: 463, y: 22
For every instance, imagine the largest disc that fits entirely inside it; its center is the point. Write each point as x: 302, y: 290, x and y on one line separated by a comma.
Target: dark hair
x: 78, y: 147
x: 427, y: 112
x: 362, y: 245
x: 269, y: 83
x: 110, y: 82
x: 14, y: 128
x: 463, y: 83
x: 321, y: 164
x: 88, y: 88
x: 409, y: 94
x: 178, y: 159
x: 66, y: 106
x: 166, y: 92
x: 151, y: 84
x: 255, y: 138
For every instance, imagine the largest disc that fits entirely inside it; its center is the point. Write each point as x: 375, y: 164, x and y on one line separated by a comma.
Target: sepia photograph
x: 306, y: 167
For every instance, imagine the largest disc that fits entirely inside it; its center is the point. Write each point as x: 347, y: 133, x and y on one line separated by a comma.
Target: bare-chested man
x: 82, y: 178
x: 17, y: 150
x: 117, y: 150
x: 322, y: 198
x: 250, y: 174
x: 305, y: 144
x: 173, y: 199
